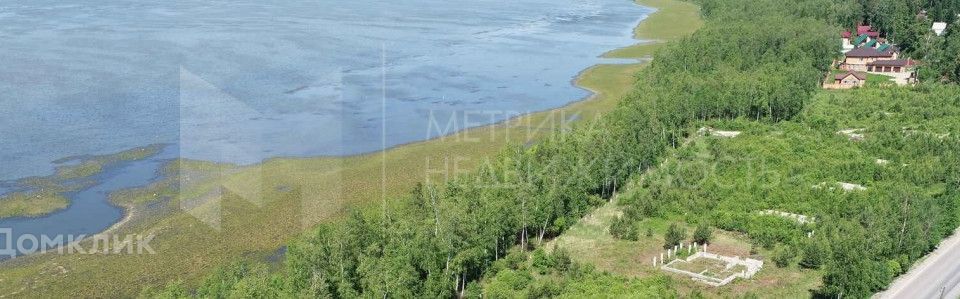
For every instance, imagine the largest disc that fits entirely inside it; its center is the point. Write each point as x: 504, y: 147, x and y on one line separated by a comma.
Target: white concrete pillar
x: 654, y: 262
x: 704, y: 248
x: 661, y: 257
x: 669, y: 253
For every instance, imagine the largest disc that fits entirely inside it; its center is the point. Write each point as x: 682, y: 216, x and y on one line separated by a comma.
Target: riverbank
x: 292, y: 194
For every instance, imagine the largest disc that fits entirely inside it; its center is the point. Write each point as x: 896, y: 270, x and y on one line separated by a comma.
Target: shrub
x: 623, y: 228
x: 703, y: 234
x: 561, y: 260
x: 893, y: 267
x: 783, y: 256
x: 514, y: 259
x: 541, y: 261
x: 508, y: 283
x: 675, y: 234
x: 814, y: 254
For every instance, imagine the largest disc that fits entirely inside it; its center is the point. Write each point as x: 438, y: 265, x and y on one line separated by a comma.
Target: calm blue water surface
x: 244, y: 80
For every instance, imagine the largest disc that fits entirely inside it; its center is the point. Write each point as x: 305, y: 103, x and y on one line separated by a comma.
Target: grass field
x: 672, y: 21
x: 590, y: 242
x: 263, y: 206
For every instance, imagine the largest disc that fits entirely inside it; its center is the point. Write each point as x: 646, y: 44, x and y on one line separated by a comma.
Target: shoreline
x: 66, y: 182
x: 575, y: 81
x: 285, y: 215
x: 17, y: 184
x: 129, y: 209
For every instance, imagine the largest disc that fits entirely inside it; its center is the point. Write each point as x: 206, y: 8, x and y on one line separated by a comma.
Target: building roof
x: 860, y: 39
x: 859, y: 76
x: 894, y: 62
x: 846, y: 34
x: 939, y: 27
x: 871, y: 44
x: 869, y: 52
x: 883, y: 47
x: 866, y: 29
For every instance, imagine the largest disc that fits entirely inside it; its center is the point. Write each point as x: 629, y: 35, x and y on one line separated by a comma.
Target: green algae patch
x: 43, y: 195
x: 24, y: 204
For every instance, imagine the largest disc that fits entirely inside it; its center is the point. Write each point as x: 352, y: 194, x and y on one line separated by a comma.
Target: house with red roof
x: 866, y: 29
x: 846, y: 43
x: 870, y: 53
x: 864, y: 35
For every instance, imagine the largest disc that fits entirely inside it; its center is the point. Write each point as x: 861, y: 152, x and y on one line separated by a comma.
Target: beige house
x: 857, y: 59
x: 847, y: 80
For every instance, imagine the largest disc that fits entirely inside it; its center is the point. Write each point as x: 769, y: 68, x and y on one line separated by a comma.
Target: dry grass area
x: 589, y: 242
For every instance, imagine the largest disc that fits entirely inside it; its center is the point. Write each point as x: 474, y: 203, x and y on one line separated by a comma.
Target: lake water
x: 241, y: 81
x: 244, y: 80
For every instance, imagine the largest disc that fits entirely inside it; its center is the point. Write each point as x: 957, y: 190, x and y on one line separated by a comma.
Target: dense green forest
x: 754, y: 61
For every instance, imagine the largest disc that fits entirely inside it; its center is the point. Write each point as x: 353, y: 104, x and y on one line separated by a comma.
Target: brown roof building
x: 855, y: 75
x: 847, y: 80
x: 868, y: 52
x: 891, y: 66
x: 857, y: 59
